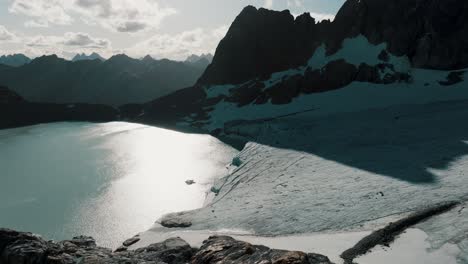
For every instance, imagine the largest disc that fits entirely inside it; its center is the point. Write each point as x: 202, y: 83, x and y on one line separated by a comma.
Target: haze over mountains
x: 91, y: 79
x: 14, y: 60
x: 92, y: 56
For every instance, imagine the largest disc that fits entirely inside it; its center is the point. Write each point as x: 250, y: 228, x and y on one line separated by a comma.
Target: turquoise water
x: 109, y: 180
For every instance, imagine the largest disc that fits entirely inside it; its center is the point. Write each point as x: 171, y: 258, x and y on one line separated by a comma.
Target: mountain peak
x: 259, y: 42
x: 119, y: 58
x: 92, y: 56
x: 147, y: 58
x: 195, y: 58
x: 51, y: 57
x: 14, y: 60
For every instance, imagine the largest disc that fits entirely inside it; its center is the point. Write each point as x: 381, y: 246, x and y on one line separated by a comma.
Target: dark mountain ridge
x: 14, y: 60
x: 116, y: 81
x: 16, y: 112
x: 92, y: 56
x: 433, y: 34
x: 425, y: 34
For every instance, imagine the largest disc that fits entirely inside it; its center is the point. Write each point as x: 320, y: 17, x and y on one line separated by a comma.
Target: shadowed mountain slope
x: 116, y: 81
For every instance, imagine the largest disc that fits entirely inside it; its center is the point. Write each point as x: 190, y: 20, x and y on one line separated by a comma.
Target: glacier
x: 336, y: 165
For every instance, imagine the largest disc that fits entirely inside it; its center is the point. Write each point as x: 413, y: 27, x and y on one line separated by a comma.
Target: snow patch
x: 411, y: 247
x: 218, y: 90
x: 357, y: 96
x: 356, y: 51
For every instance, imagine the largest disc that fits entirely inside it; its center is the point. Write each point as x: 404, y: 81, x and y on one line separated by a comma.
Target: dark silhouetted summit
x: 260, y: 42
x: 271, y: 58
x: 433, y: 34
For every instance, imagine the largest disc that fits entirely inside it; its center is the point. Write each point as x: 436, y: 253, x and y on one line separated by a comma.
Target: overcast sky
x: 162, y: 28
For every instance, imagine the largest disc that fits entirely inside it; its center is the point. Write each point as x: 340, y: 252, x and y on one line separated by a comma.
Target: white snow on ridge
x: 357, y: 96
x: 218, y: 90
x: 356, y: 51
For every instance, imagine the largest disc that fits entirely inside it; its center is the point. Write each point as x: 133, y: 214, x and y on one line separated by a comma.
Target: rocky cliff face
x: 270, y: 58
x: 433, y: 34
x: 260, y: 42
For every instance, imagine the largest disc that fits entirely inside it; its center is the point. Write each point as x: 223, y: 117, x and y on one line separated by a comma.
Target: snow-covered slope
x: 363, y: 132
x: 420, y: 86
x: 345, y: 172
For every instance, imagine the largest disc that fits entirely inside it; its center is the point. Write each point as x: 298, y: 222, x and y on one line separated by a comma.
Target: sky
x: 171, y: 29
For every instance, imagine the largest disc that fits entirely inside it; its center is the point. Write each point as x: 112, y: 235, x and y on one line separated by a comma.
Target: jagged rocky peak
x: 432, y: 33
x: 260, y: 42
x: 196, y: 58
x: 14, y: 60
x: 120, y: 59
x: 47, y: 59
x: 92, y: 56
x: 147, y: 58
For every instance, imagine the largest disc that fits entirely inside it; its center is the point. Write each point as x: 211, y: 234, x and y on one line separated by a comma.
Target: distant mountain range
x: 195, y: 58
x: 14, y: 60
x: 92, y: 56
x: 116, y: 81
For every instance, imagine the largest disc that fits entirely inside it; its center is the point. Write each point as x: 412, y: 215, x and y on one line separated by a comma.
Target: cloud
x: 36, y: 24
x: 180, y: 46
x: 131, y: 26
x: 296, y: 3
x: 42, y: 12
x: 84, y: 40
x: 299, y: 4
x: 65, y: 45
x: 116, y: 15
x: 123, y: 15
x: 6, y: 35
x: 268, y: 4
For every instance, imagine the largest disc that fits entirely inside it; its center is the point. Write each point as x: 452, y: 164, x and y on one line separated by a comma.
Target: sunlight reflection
x: 114, y: 180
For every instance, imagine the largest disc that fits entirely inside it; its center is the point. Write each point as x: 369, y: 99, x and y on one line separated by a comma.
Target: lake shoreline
x: 113, y: 178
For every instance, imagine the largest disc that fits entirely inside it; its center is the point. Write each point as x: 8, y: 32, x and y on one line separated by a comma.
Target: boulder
x: 224, y: 249
x: 26, y: 248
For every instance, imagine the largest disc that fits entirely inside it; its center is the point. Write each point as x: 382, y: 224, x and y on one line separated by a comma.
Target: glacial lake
x: 110, y: 180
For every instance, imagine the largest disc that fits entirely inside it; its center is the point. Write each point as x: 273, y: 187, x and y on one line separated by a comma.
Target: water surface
x: 109, y: 180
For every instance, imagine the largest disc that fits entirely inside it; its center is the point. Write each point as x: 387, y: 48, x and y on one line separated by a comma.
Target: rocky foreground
x: 27, y: 248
